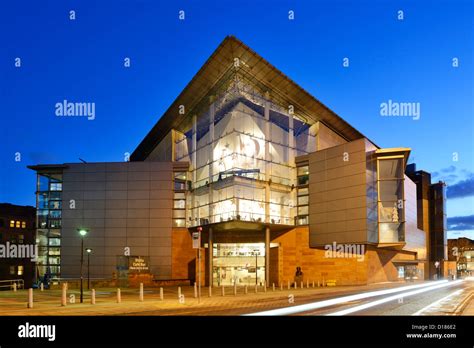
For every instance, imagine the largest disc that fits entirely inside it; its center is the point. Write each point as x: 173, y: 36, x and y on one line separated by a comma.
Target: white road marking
x: 339, y: 300
x: 392, y: 298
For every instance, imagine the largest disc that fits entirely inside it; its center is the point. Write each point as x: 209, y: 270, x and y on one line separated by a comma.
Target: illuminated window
x: 17, y: 224
x: 12, y: 223
x: 20, y: 270
x: 23, y: 224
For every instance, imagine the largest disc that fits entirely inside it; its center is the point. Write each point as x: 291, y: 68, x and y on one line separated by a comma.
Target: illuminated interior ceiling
x: 217, y: 71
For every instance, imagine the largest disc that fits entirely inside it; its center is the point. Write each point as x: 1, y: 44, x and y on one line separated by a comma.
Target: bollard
x: 161, y: 294
x: 265, y: 286
x: 281, y: 286
x: 93, y: 296
x: 222, y: 290
x: 14, y: 287
x: 141, y: 292
x: 323, y: 281
x: 302, y: 285
x: 307, y: 284
x: 41, y: 287
x: 179, y: 291
x: 30, y: 298
x: 246, y: 290
x: 195, y: 290
x: 313, y: 283
x: 288, y: 285
x: 210, y: 291
x: 235, y: 289
x: 273, y: 286
x: 64, y: 295
x: 119, y: 296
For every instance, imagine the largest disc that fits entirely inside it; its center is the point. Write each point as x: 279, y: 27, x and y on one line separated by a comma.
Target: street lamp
x: 82, y: 233
x: 89, y: 250
x: 256, y: 264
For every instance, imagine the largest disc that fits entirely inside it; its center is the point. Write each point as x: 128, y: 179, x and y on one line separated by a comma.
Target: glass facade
x: 391, y: 201
x: 242, y: 149
x: 240, y: 264
x: 48, y: 235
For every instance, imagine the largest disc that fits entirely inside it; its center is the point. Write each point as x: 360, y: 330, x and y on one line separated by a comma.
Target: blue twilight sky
x: 81, y: 60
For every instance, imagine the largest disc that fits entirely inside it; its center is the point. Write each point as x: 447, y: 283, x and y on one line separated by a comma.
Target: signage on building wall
x: 138, y: 264
x: 197, y: 238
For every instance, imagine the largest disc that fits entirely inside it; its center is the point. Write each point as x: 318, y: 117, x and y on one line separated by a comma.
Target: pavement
x: 48, y: 302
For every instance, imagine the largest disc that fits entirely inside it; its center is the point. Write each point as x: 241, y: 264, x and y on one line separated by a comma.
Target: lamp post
x: 89, y: 250
x: 256, y: 264
x: 82, y: 233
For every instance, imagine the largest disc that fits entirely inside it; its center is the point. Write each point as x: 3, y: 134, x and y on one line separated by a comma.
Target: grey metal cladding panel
x: 116, y: 166
x: 132, y: 194
x: 139, y: 185
x: 160, y: 232
x: 116, y: 185
x: 72, y: 186
x: 160, y: 252
x: 138, y: 204
x: 94, y: 176
x: 94, y: 185
x: 89, y: 195
x: 116, y: 176
x: 68, y: 195
x: 94, y: 167
x: 116, y: 204
x: 138, y: 167
x: 156, y: 195
x: 160, y: 242
x: 138, y: 223
x: 161, y: 166
x: 162, y: 223
x: 161, y: 213
x: 93, y: 213
x: 72, y: 177
x: 138, y: 176
x: 111, y: 195
x: 161, y: 176
x: 161, y: 185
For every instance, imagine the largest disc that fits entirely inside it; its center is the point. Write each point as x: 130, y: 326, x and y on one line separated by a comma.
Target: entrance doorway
x: 238, y: 263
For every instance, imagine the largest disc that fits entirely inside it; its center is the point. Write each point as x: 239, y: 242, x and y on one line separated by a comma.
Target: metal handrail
x: 20, y: 283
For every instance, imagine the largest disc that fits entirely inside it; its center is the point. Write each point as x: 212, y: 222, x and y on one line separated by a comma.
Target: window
x: 20, y: 270
x: 21, y: 239
x: 12, y: 223
x: 17, y: 224
x: 12, y: 270
x: 56, y: 186
x: 23, y: 224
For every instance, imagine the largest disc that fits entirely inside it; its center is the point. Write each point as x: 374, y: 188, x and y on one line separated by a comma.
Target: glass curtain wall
x: 48, y: 236
x: 247, y: 154
x: 391, y: 214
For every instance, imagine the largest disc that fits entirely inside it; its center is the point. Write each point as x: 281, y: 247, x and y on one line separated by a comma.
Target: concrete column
x: 210, y: 247
x: 267, y: 255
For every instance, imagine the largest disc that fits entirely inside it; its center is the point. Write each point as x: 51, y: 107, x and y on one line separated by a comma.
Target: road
x: 437, y: 298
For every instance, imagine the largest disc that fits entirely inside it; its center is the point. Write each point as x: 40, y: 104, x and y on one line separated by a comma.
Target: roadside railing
x: 8, y: 284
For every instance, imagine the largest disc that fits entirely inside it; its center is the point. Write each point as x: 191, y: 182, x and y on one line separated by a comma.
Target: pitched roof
x: 278, y: 84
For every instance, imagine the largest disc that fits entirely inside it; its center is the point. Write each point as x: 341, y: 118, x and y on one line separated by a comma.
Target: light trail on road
x: 393, y: 298
x: 344, y: 299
